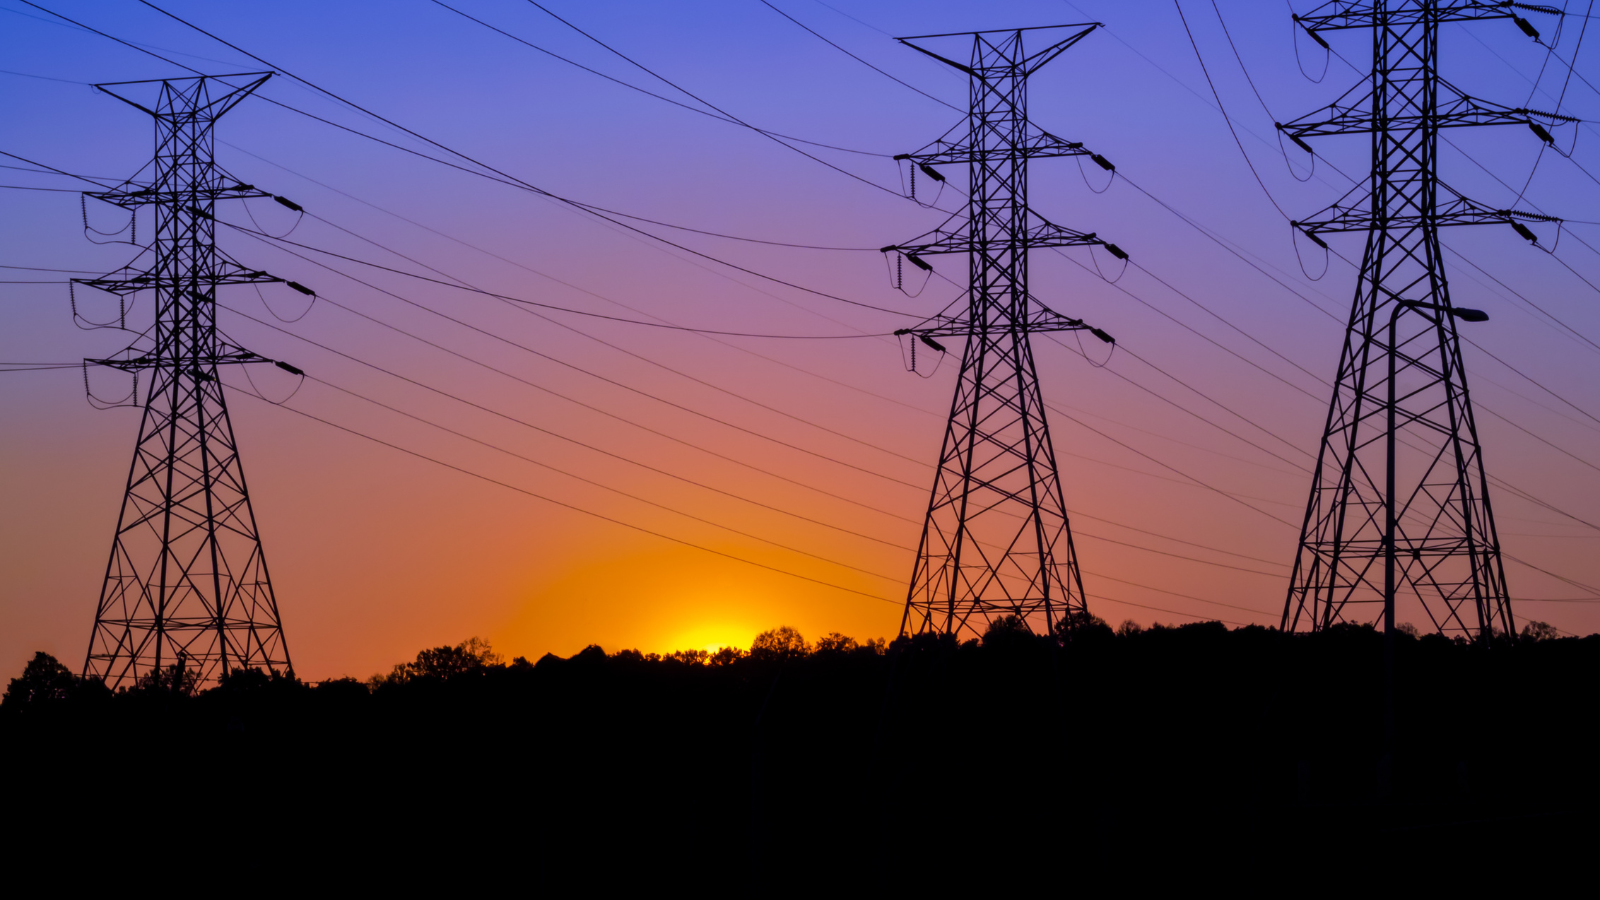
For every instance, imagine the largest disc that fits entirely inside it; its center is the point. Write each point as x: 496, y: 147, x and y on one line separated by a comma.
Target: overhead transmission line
x: 570, y: 506
x: 506, y: 340
x: 584, y: 206
x: 558, y: 435
x: 1188, y: 478
x: 649, y: 93
x: 362, y: 109
x: 224, y: 42
x: 686, y: 92
x: 1150, y: 549
x: 484, y: 170
x: 549, y: 306
x: 734, y: 394
x: 1349, y: 262
x: 361, y: 237
x: 858, y: 59
x: 545, y: 275
x: 649, y: 531
x: 639, y: 356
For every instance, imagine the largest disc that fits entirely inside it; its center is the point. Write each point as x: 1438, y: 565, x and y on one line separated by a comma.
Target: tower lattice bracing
x: 1399, y: 507
x: 186, y: 584
x: 996, y: 540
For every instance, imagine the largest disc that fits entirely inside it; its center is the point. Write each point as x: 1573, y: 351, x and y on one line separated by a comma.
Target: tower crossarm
x: 1038, y: 321
x: 1455, y: 109
x: 1345, y: 14
x: 227, y: 273
x: 187, y: 363
x: 955, y: 236
x: 1035, y: 144
x: 1353, y: 212
x: 133, y: 196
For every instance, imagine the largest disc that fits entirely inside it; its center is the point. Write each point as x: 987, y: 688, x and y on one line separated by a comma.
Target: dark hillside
x: 927, y: 764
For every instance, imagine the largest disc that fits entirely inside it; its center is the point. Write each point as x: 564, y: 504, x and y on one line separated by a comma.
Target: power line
x: 1225, y: 117
x: 564, y: 505
x: 576, y: 368
x: 564, y: 309
x: 639, y: 356
x: 857, y: 58
x: 636, y: 64
x: 381, y: 246
x: 601, y: 485
x: 496, y: 174
x: 567, y: 284
x: 649, y: 93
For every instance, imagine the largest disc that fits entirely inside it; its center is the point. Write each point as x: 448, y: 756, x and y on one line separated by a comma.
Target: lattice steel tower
x: 186, y: 584
x: 996, y: 540
x: 1399, y: 511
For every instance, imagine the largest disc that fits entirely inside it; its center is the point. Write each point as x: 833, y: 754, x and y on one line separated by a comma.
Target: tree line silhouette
x: 919, y: 763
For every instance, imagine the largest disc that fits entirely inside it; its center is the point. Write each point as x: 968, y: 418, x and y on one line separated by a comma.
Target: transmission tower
x: 186, y: 584
x: 996, y: 540
x: 1399, y: 510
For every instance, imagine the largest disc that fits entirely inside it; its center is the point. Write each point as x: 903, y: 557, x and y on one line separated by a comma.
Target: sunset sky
x: 775, y: 464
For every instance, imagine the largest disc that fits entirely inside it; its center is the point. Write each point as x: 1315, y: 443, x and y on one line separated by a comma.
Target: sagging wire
x: 1528, y: 235
x: 1082, y: 351
x: 1550, y: 48
x: 133, y: 225
x: 897, y: 270
x: 1102, y: 163
x: 120, y: 322
x: 299, y: 212
x: 274, y: 312
x: 1117, y: 253
x: 131, y: 400
x: 914, y: 340
x: 1326, y: 259
x: 287, y: 368
x: 1310, y: 174
x: 927, y: 170
x: 1295, y: 28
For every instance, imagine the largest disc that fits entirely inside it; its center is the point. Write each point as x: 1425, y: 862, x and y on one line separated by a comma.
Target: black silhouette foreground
x: 1094, y: 758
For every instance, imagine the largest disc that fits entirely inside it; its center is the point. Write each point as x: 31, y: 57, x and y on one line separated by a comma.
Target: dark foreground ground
x: 1104, y: 759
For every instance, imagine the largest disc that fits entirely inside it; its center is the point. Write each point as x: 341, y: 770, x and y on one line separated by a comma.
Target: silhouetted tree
x: 1009, y: 631
x: 178, y: 679
x: 257, y: 681
x: 727, y: 656
x: 342, y: 687
x: 44, y: 680
x: 1539, y: 631
x: 834, y: 642
x: 782, y: 642
x: 689, y: 657
x: 1081, y: 625
x: 468, y: 658
x: 1129, y: 628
